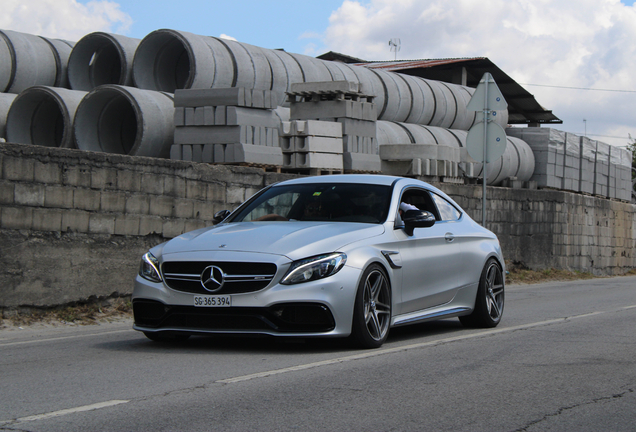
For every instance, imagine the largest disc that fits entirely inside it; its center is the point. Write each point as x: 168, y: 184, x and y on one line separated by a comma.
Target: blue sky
x: 556, y: 48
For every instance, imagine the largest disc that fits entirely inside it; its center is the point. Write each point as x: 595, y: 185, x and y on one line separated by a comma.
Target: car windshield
x: 337, y: 202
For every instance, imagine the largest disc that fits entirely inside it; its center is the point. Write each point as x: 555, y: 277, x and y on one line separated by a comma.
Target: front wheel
x: 489, y: 303
x: 372, y: 310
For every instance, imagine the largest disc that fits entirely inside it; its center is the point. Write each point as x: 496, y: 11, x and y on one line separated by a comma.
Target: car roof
x: 345, y: 178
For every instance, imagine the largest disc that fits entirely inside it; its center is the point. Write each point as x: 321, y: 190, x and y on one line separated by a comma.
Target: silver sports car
x: 326, y: 256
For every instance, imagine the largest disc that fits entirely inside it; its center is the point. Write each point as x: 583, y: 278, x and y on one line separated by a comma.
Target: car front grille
x: 239, y: 277
x: 280, y: 318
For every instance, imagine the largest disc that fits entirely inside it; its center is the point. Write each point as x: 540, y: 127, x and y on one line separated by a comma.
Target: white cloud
x: 575, y: 43
x: 63, y: 19
x: 224, y: 36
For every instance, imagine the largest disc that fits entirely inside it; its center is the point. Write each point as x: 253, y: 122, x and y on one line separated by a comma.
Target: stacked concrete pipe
x: 517, y: 162
x: 167, y: 60
x: 101, y: 58
x: 6, y: 99
x: 27, y: 60
x: 44, y: 116
x: 126, y: 120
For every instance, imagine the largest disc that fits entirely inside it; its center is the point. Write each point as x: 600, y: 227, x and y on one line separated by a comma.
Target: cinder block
x: 126, y: 225
x: 183, y: 208
x: 326, y: 109
x: 316, y: 128
x: 174, y: 186
x: 220, y: 115
x: 100, y: 223
x: 152, y: 183
x: 161, y: 206
x: 103, y: 178
x: 7, y: 192
x: 253, y: 154
x: 58, y: 197
x: 318, y: 144
x: 362, y: 162
x: 173, y: 228
x: 287, y: 144
x: 195, y: 190
x: 198, y: 116
x: 16, y: 168
x: 358, y: 127
x: 238, y: 116
x: 128, y: 180
x: 138, y: 204
x: 47, y: 219
x: 150, y: 225
x: 207, y: 155
x: 75, y: 221
x: 209, y: 116
x: 78, y: 175
x: 29, y: 194
x: 197, y: 151
x: 189, y: 116
x: 179, y: 116
x: 219, y: 153
x: 49, y: 173
x: 213, y: 135
x: 204, y: 210
x: 16, y: 217
x: 113, y: 201
x: 186, y: 152
x: 319, y: 160
x: 175, y: 152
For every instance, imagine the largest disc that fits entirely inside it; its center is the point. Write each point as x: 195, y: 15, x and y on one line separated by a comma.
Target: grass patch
x: 520, y: 274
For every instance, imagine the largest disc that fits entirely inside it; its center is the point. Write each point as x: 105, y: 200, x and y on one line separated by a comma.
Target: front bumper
x: 318, y: 308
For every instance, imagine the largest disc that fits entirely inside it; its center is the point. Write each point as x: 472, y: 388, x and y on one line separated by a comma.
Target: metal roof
x: 523, y: 108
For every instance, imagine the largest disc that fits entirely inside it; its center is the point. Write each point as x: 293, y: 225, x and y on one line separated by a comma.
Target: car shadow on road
x: 242, y: 344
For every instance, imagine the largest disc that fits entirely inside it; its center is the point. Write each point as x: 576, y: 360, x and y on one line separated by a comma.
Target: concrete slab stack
x: 312, y: 144
x: 227, y: 125
x: 587, y: 159
x: 343, y: 103
x: 570, y: 162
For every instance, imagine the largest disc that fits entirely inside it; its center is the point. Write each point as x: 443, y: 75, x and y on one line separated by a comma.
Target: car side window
x: 447, y: 211
x: 420, y: 199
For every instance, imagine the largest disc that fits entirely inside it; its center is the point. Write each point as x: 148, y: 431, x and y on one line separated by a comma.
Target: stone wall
x: 73, y: 224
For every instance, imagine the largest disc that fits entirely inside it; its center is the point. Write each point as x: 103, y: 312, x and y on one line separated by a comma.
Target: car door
x: 431, y: 258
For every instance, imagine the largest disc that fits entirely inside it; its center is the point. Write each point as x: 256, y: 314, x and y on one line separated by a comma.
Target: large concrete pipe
x: 517, y: 161
x: 44, y: 116
x: 167, y: 60
x: 126, y: 120
x: 62, y: 52
x: 27, y: 60
x: 101, y: 58
x: 430, y: 142
x: 6, y: 99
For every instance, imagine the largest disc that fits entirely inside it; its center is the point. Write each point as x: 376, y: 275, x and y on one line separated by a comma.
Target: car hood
x: 295, y: 240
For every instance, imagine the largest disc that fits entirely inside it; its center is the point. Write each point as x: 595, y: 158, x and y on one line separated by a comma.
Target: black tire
x: 489, y: 303
x: 167, y: 336
x: 372, y: 309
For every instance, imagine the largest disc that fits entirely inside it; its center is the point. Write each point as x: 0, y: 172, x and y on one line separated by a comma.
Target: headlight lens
x: 313, y: 268
x: 149, y: 268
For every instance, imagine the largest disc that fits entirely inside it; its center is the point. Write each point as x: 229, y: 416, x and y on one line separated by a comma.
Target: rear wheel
x: 489, y: 303
x: 372, y: 310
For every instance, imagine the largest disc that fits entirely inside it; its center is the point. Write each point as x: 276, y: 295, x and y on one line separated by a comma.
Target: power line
x: 580, y: 88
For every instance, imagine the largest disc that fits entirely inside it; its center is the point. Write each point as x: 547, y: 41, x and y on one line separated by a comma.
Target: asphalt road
x: 563, y: 359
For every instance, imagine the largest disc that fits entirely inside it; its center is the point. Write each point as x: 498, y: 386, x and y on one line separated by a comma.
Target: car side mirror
x: 417, y: 219
x: 220, y: 216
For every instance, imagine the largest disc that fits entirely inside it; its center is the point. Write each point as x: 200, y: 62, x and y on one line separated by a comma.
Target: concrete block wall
x: 556, y: 229
x: 73, y: 224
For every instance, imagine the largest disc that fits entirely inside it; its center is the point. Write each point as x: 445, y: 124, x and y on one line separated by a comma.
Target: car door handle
x: 449, y: 237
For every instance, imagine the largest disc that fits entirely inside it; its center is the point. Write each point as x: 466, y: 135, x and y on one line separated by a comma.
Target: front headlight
x: 149, y: 268
x: 313, y: 268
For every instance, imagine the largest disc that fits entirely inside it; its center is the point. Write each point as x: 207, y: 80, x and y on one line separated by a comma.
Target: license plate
x: 213, y: 301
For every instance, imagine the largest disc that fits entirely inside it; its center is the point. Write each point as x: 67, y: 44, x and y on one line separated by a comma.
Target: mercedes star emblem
x: 212, y: 278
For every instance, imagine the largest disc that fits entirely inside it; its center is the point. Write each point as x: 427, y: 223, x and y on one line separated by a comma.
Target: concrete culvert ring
x: 43, y: 116
x: 101, y: 58
x: 125, y: 120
